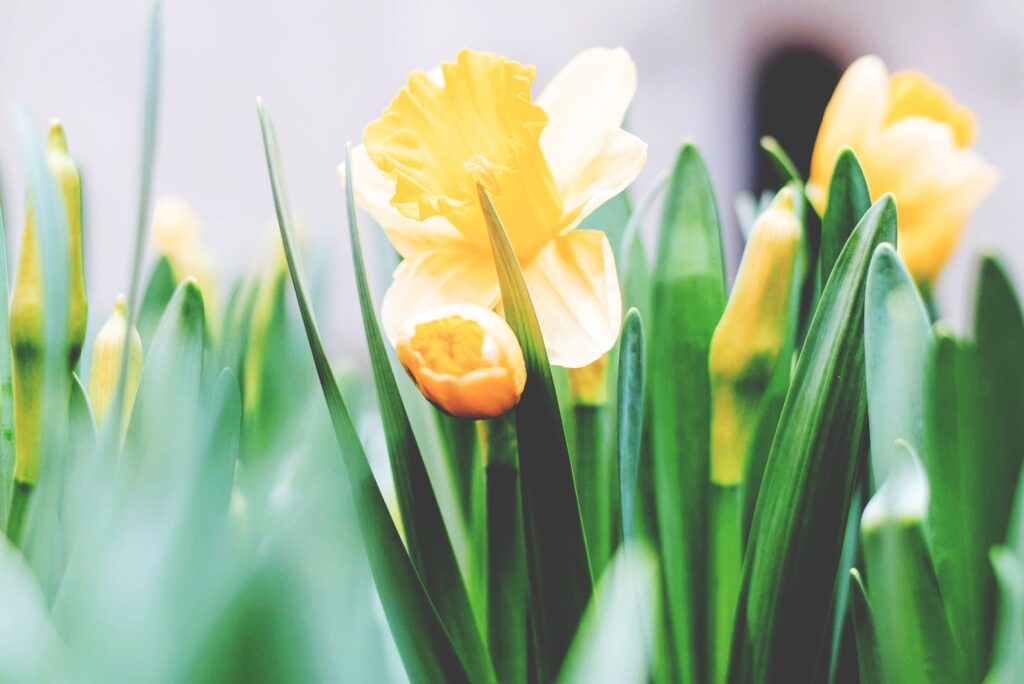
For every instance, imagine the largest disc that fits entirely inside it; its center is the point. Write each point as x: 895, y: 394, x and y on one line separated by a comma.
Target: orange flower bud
x: 464, y: 359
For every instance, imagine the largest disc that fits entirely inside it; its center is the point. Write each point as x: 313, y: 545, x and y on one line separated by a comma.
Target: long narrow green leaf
x: 1008, y: 656
x: 158, y: 292
x: 426, y: 649
x: 6, y: 379
x: 784, y: 166
x: 897, y: 345
x: 688, y: 299
x: 848, y: 200
x: 429, y: 545
x: 29, y: 646
x: 915, y: 643
x: 864, y: 630
x: 793, y: 554
x: 560, y: 580
x: 630, y: 419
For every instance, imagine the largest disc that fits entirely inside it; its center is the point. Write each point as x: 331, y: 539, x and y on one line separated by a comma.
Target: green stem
x: 596, y: 484
x: 507, y: 590
x: 726, y: 565
x: 21, y: 496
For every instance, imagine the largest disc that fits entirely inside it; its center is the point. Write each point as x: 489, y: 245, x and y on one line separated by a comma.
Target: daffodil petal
x: 575, y: 291
x: 918, y: 160
x: 856, y: 110
x: 373, y: 191
x: 434, y: 279
x: 584, y: 101
x: 616, y: 161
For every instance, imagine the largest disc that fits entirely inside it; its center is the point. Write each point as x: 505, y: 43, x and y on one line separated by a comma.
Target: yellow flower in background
x: 913, y: 140
x: 547, y: 164
x: 464, y: 359
x: 177, y: 234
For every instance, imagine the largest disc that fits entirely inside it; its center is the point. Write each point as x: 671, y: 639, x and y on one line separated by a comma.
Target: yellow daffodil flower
x: 177, y: 234
x: 913, y: 140
x: 547, y: 164
x: 464, y: 359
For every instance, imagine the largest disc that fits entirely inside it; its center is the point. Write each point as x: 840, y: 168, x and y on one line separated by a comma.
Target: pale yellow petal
x: 584, y: 101
x: 854, y: 113
x: 435, y: 279
x: 575, y: 292
x: 912, y: 93
x: 617, y: 160
x: 937, y: 185
x: 373, y: 192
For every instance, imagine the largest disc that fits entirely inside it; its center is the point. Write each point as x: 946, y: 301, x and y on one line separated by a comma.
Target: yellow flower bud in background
x: 464, y: 359
x: 107, y: 353
x: 26, y: 308
x: 749, y: 339
x: 914, y: 140
x: 590, y: 383
x: 177, y: 234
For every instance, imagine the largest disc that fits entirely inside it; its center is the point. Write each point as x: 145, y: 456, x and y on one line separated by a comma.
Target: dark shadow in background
x: 792, y: 85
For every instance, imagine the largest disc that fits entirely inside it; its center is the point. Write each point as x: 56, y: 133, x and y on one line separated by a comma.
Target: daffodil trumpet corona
x: 465, y: 359
x: 547, y: 163
x: 108, y: 352
x: 914, y: 140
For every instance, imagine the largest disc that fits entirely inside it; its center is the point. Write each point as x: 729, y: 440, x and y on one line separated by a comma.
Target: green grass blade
x: 915, y: 643
x: 426, y: 537
x: 782, y: 626
x: 630, y: 419
x: 848, y: 200
x: 688, y: 299
x: 897, y: 344
x: 425, y: 647
x: 864, y: 630
x: 560, y: 580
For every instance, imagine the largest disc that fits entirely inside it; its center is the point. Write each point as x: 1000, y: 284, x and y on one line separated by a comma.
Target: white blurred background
x: 326, y: 68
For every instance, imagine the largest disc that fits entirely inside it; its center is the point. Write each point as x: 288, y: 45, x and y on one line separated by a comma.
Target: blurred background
x: 722, y: 72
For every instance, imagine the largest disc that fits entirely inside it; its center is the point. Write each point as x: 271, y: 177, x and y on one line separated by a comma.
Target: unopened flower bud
x: 107, y: 354
x: 464, y: 359
x: 749, y: 339
x: 177, y: 234
x: 27, y: 304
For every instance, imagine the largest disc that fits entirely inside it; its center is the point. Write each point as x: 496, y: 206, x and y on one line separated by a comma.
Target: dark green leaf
x: 864, y: 630
x: 426, y: 537
x: 424, y: 645
x: 793, y: 554
x: 848, y: 200
x: 630, y: 419
x: 784, y: 166
x: 560, y: 580
x: 688, y: 299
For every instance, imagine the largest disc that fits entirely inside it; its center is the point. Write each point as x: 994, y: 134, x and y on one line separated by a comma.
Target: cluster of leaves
x: 247, y: 529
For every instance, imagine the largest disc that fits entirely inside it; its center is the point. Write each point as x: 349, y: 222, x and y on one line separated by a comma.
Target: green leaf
x: 426, y: 649
x: 688, y: 299
x: 630, y: 418
x: 915, y: 643
x: 975, y: 445
x: 80, y: 416
x: 848, y: 201
x: 783, y: 622
x: 159, y: 289
x: 1008, y: 656
x: 29, y: 646
x: 616, y: 637
x: 560, y: 580
x: 784, y: 166
x: 6, y: 380
x: 864, y: 630
x: 426, y: 537
x: 897, y: 344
